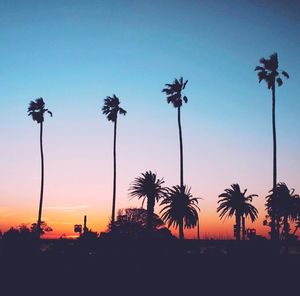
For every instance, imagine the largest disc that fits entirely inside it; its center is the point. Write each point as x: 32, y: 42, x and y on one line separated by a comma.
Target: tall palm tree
x: 234, y: 202
x: 180, y: 209
x: 268, y: 72
x: 174, y: 95
x: 111, y: 109
x: 149, y: 187
x: 283, y: 204
x: 37, y: 110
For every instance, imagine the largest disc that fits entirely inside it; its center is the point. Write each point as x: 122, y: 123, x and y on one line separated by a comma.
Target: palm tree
x: 174, y: 96
x: 235, y: 202
x: 180, y: 209
x: 37, y: 110
x: 269, y: 73
x: 111, y: 109
x: 283, y: 204
x: 150, y: 187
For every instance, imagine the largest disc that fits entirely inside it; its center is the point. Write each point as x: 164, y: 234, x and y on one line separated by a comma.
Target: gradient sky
x: 74, y: 53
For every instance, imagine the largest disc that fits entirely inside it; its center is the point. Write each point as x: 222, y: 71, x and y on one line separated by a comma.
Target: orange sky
x: 63, y: 218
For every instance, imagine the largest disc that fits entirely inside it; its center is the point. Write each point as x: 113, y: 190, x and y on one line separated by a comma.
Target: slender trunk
x: 150, y: 211
x: 181, y: 149
x: 42, y: 181
x: 274, y: 219
x: 238, y: 226
x: 286, y: 227
x: 181, y: 233
x: 277, y: 229
x: 198, y: 227
x: 243, y: 228
x: 114, y: 178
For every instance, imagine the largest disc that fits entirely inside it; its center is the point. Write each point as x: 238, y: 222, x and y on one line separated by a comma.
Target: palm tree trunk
x: 286, y: 227
x: 238, y: 226
x: 243, y: 228
x: 181, y: 232
x: 274, y: 224
x: 114, y: 178
x: 150, y: 211
x: 181, y: 149
x: 198, y: 228
x: 42, y: 181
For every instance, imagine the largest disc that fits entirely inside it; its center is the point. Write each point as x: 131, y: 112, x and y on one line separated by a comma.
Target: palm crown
x: 148, y: 186
x: 174, y: 92
x: 283, y: 201
x: 37, y: 110
x: 179, y: 205
x: 112, y: 107
x: 234, y: 202
x: 269, y: 71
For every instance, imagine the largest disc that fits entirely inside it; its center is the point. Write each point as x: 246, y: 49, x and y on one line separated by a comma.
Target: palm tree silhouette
x: 180, y: 209
x: 111, y: 109
x: 174, y: 96
x: 283, y: 204
x: 150, y: 187
x: 234, y: 202
x: 37, y: 110
x: 269, y: 73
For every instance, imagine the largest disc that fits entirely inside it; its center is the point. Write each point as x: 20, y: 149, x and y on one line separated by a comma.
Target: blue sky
x: 74, y: 53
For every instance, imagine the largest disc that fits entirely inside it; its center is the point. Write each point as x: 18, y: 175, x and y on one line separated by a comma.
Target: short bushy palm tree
x: 149, y: 187
x: 234, y: 202
x: 269, y: 72
x: 180, y: 209
x: 283, y: 205
x: 37, y: 111
x: 175, y: 96
x: 111, y: 109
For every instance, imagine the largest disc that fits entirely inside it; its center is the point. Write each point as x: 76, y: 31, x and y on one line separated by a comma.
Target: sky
x: 75, y: 53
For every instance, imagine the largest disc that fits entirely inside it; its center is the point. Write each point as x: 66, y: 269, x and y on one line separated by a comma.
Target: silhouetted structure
x: 180, y: 209
x: 149, y: 187
x: 234, y: 202
x: 111, y: 109
x: 37, y: 110
x: 85, y: 229
x: 269, y: 73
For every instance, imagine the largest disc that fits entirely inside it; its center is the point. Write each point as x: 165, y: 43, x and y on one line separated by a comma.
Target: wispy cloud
x: 67, y: 208
x: 7, y: 212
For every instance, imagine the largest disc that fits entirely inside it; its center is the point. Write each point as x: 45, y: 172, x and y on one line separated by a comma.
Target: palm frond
x: 259, y: 68
x: 179, y: 205
x: 173, y: 92
x: 36, y: 110
x: 235, y: 202
x: 111, y: 108
x: 279, y: 81
x: 285, y: 74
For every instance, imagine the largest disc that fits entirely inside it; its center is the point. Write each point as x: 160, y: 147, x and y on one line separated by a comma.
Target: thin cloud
x: 67, y: 208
